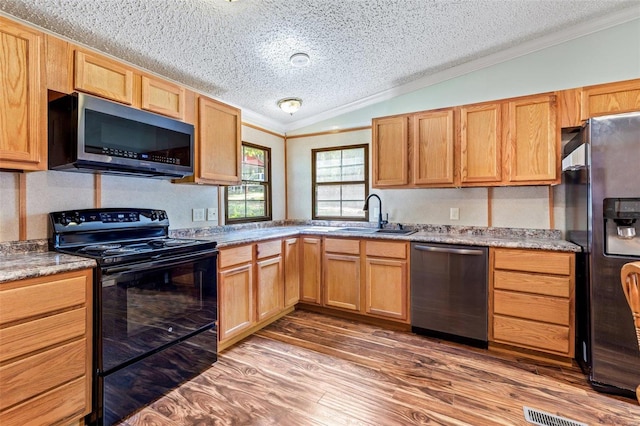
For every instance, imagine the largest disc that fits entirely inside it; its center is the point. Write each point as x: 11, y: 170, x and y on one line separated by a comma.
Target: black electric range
x: 155, y: 304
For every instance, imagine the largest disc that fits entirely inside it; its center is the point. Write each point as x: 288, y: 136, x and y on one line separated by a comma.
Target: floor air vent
x: 541, y: 418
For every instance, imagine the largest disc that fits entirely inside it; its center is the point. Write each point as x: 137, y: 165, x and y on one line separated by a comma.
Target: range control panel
x: 103, y: 218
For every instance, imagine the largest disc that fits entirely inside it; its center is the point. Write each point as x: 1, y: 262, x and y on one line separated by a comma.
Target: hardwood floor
x: 311, y: 369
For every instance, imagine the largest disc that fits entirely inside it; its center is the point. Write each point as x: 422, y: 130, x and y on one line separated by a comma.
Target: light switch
x: 454, y: 213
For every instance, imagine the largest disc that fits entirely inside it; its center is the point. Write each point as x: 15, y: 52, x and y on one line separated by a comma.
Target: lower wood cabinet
x: 367, y: 277
x: 311, y: 267
x: 292, y: 266
x: 45, y: 349
x: 387, y: 279
x: 341, y: 266
x: 269, y: 279
x: 235, y: 300
x: 532, y: 300
x: 251, y: 288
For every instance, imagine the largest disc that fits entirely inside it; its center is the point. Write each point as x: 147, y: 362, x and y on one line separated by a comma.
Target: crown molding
x: 567, y: 34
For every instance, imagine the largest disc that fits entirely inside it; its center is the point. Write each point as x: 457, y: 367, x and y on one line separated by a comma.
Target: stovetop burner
x: 99, y: 248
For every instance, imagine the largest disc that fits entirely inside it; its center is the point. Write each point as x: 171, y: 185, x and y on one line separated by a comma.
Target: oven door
x: 145, y: 307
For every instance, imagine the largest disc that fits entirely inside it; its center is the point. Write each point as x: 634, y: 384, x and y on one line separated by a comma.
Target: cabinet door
x: 103, y: 77
x: 235, y: 300
x: 480, y: 143
x: 612, y: 98
x: 163, y: 97
x: 390, y: 149
x: 433, y: 148
x: 342, y: 281
x: 23, y: 98
x: 291, y: 271
x: 386, y: 288
x: 270, y: 297
x: 532, y: 142
x: 311, y: 270
x: 219, y: 144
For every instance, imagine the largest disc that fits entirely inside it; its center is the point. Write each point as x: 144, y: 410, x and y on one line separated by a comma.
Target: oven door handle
x: 121, y: 270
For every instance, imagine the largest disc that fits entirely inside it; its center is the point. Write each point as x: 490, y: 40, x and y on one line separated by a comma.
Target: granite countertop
x: 20, y: 266
x: 30, y: 259
x: 523, y: 239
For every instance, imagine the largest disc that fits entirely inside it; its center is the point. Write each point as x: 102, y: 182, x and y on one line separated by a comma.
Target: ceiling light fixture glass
x: 299, y: 60
x: 290, y: 105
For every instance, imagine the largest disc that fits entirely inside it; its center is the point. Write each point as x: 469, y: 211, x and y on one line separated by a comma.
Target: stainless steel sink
x: 375, y: 231
x: 395, y: 231
x: 357, y: 230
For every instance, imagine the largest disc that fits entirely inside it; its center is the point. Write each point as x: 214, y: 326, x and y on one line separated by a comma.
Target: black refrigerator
x: 601, y: 174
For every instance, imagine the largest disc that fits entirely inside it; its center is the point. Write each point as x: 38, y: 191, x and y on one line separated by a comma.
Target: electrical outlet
x: 212, y: 213
x: 454, y: 213
x: 198, y: 215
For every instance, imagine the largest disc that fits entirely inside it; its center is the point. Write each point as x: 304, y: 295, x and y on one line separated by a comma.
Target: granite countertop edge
x: 229, y: 239
x: 21, y: 266
x: 35, y: 261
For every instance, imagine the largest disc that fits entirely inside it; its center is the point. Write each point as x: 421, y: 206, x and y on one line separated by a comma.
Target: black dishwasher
x: 449, y: 292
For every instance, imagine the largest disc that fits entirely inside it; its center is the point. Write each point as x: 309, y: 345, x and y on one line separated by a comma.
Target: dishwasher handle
x: 469, y: 252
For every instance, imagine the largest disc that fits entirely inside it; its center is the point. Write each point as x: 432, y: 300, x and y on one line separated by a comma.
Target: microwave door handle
x: 117, y: 271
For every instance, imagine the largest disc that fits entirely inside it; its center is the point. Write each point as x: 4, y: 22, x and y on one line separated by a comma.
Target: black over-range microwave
x: 89, y: 134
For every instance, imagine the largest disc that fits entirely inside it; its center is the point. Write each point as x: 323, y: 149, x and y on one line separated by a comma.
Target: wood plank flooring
x: 312, y: 369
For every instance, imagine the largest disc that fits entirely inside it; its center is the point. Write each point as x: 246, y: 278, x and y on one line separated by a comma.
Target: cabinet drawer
x: 386, y: 249
x: 336, y: 245
x: 236, y: 255
x: 534, y: 261
x: 35, y: 335
x: 49, y: 408
x: 40, y: 296
x: 38, y: 373
x: 540, y: 308
x: 532, y: 283
x: 531, y: 334
x: 269, y: 248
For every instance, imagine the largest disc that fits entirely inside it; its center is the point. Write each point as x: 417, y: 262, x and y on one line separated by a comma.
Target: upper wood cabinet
x: 510, y: 142
x: 480, y: 144
x: 103, y: 77
x: 610, y: 98
x: 163, y: 97
x: 74, y: 68
x: 569, y: 107
x: 532, y: 141
x: 218, y: 144
x: 23, y: 98
x: 390, y: 151
x: 433, y: 147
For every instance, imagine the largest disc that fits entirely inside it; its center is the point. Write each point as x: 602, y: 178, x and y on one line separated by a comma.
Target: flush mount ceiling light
x: 299, y: 60
x: 290, y: 105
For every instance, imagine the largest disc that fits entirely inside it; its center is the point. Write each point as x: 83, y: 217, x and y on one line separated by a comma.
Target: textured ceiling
x: 238, y: 52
